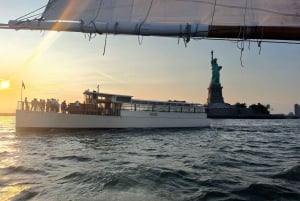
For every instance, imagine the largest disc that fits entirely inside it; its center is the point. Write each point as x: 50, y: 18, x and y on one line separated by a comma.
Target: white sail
x: 269, y: 19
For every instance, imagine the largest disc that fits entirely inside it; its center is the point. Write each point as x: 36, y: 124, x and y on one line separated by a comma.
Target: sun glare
x: 4, y: 84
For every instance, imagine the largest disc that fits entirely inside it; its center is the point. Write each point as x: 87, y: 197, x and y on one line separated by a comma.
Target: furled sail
x: 245, y: 19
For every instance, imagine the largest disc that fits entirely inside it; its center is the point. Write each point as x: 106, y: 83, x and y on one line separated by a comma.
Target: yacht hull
x: 30, y: 120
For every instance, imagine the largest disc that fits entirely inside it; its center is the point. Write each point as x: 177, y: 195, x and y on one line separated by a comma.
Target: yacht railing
x: 95, y: 110
x: 188, y: 108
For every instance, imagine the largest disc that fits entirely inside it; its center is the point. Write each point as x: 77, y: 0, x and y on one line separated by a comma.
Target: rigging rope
x: 91, y: 35
x: 213, y: 12
x: 23, y: 17
x: 104, y: 48
x: 140, y: 40
x: 98, y: 11
x: 259, y: 46
x: 259, y: 42
x: 243, y: 29
x: 147, y: 15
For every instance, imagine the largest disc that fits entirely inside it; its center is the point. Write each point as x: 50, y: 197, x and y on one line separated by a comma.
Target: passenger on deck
x: 51, y: 109
x: 48, y: 105
x: 42, y: 105
x: 77, y: 104
x: 63, y: 107
x: 54, y: 105
x: 26, y: 104
x: 34, y: 104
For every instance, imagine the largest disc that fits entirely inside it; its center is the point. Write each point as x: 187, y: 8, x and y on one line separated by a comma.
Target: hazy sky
x: 62, y: 65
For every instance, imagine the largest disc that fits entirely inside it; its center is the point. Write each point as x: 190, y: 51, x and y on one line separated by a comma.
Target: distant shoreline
x: 252, y: 116
x: 7, y: 114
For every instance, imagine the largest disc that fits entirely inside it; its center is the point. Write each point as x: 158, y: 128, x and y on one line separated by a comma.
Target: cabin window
x: 123, y: 99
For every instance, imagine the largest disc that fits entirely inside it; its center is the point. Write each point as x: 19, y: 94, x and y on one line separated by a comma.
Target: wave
x: 72, y: 157
x: 21, y: 170
x: 261, y: 192
x: 212, y: 196
x: 161, y: 156
x: 257, y: 192
x: 25, y: 195
x: 74, y: 176
x: 178, y: 181
x: 138, y: 177
x: 292, y: 174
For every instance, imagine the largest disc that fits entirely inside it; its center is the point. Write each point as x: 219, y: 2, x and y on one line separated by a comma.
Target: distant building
x: 297, y: 110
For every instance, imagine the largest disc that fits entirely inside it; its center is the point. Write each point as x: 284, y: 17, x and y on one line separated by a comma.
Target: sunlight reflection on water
x: 7, y: 124
x: 11, y: 191
x: 9, y: 159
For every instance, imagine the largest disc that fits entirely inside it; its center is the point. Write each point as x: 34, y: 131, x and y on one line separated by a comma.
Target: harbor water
x: 232, y: 160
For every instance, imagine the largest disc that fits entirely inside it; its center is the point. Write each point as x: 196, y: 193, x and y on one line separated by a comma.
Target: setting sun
x: 4, y: 84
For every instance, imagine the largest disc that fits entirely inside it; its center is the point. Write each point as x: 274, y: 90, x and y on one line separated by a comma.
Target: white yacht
x: 104, y: 110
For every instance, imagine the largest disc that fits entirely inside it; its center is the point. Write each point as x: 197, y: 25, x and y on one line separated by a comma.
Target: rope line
x: 213, y: 12
x: 105, y: 42
x: 98, y: 10
x: 147, y: 15
x: 243, y: 29
x: 93, y: 21
x: 24, y: 16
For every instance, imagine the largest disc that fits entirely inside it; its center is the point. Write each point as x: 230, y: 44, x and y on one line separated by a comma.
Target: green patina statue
x: 215, y: 79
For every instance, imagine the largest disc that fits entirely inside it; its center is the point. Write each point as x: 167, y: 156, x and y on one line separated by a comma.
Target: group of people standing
x: 51, y: 105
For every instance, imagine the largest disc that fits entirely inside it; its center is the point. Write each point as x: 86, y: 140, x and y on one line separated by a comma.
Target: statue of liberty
x: 215, y: 79
x: 215, y: 88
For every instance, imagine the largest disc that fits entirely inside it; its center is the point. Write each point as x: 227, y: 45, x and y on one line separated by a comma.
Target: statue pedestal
x: 215, y: 94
